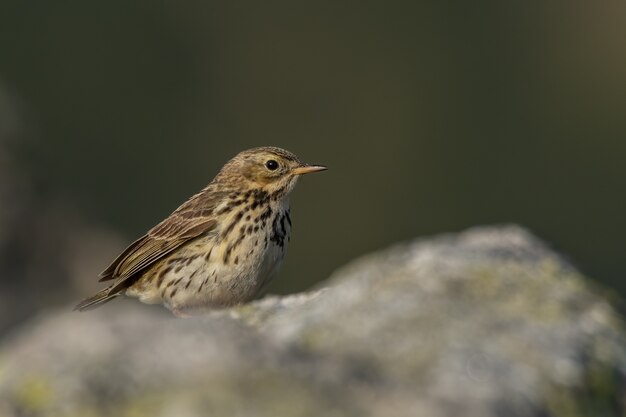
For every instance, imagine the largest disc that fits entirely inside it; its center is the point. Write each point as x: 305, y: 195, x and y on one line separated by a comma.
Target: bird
x: 221, y: 247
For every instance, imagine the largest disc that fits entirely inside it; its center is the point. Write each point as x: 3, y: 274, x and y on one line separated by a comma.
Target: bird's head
x: 273, y: 170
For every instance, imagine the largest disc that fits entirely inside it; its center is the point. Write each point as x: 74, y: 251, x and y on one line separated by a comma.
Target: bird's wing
x: 180, y: 227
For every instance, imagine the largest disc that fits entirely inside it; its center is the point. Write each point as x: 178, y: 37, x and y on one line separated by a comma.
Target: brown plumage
x: 220, y: 247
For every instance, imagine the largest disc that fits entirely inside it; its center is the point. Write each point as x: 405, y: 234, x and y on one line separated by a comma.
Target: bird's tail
x: 96, y: 300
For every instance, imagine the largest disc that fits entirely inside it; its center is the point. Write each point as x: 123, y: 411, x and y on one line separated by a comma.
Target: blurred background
x: 432, y: 116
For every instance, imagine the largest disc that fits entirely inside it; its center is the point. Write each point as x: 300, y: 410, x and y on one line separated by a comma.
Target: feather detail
x: 96, y: 300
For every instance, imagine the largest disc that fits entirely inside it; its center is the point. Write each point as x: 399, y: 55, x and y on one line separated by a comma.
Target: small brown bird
x: 219, y: 248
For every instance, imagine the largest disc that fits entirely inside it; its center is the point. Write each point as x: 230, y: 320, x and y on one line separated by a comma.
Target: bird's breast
x: 252, y: 245
x: 233, y: 264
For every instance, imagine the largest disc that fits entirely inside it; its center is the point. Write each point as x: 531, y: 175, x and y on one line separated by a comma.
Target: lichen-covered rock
x: 488, y: 322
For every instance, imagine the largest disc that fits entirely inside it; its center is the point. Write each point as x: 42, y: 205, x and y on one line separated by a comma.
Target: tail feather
x: 96, y: 300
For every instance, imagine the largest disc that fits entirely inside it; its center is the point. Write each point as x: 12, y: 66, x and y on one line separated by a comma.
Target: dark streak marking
x: 191, y: 259
x: 175, y: 260
x: 162, y: 275
x: 233, y: 246
x: 282, y: 225
x: 201, y: 285
x: 228, y: 207
x: 266, y: 214
x: 224, y: 210
x: 232, y: 225
x: 227, y: 254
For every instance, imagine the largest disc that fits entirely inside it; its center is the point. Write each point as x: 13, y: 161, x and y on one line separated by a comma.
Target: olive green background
x: 432, y: 116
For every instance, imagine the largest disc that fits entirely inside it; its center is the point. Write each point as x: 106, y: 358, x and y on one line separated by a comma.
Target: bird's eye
x: 271, y: 165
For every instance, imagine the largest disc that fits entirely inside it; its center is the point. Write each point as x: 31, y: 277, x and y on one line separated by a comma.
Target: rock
x: 488, y: 322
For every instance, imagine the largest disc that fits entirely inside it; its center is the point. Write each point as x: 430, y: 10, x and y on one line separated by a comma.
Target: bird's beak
x: 307, y: 169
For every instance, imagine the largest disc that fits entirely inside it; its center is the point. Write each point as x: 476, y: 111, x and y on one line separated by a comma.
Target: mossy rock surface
x: 488, y: 322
